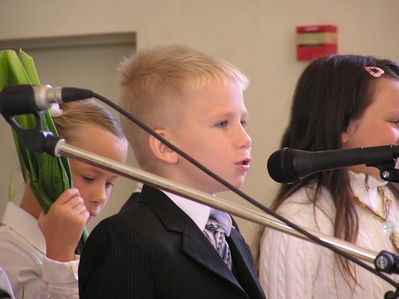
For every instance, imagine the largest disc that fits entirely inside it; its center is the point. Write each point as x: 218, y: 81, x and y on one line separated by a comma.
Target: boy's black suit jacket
x: 152, y: 249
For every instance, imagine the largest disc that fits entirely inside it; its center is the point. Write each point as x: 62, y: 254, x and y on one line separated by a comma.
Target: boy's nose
x: 245, y: 140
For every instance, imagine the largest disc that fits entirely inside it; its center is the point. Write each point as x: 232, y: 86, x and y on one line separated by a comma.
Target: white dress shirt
x: 5, y: 283
x: 294, y: 268
x: 199, y: 213
x: 23, y: 257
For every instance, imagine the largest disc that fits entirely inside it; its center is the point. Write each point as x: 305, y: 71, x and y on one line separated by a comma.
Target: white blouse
x: 5, y: 283
x: 290, y: 267
x: 23, y: 257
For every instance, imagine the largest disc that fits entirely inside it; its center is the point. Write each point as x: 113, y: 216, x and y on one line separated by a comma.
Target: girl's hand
x: 63, y: 225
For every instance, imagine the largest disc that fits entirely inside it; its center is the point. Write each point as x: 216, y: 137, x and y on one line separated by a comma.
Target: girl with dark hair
x: 340, y: 102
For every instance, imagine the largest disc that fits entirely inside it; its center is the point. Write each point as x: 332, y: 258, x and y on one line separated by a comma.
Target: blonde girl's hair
x: 84, y: 113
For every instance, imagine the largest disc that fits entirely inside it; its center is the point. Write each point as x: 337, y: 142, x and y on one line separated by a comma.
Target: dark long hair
x: 331, y: 92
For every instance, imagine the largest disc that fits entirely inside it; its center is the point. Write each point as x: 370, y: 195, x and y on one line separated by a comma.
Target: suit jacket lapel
x: 194, y: 242
x: 197, y: 246
x: 243, y: 261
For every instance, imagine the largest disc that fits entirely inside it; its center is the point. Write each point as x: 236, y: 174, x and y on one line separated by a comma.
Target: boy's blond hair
x: 154, y: 83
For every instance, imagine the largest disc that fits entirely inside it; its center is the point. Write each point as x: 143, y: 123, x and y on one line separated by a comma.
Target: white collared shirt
x: 5, y: 283
x: 199, y: 213
x: 23, y: 258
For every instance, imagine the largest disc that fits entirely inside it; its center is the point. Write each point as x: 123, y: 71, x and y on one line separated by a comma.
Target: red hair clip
x: 374, y: 71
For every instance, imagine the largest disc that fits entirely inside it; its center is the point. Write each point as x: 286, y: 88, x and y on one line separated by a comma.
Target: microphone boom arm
x: 384, y: 261
x: 63, y: 149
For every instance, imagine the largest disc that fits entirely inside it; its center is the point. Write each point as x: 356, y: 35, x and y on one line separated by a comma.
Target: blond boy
x: 161, y: 245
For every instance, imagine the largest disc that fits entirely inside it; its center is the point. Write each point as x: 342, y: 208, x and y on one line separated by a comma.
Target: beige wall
x: 258, y: 36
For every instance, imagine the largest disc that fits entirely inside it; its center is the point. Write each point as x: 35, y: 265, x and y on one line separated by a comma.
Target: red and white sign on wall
x: 315, y: 41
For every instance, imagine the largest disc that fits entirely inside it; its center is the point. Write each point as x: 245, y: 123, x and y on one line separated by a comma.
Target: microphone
x: 289, y: 165
x: 25, y: 99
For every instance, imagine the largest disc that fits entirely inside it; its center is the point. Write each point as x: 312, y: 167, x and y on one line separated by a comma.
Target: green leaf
x: 14, y: 71
x: 29, y: 66
x: 49, y: 176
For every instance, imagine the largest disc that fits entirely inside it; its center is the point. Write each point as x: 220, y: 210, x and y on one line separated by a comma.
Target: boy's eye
x: 222, y: 124
x: 244, y: 123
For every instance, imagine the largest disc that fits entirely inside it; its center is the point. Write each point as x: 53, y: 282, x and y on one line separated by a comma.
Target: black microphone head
x: 281, y: 167
x: 16, y: 100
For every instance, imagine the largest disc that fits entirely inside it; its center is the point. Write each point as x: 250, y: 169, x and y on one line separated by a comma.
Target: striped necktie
x: 217, y: 236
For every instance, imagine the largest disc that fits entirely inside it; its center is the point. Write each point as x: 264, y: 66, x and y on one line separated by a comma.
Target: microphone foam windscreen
x: 281, y: 167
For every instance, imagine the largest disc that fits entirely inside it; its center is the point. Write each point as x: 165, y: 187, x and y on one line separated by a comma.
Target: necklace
x: 388, y: 226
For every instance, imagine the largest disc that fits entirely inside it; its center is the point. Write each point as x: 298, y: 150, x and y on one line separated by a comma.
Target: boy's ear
x: 161, y: 151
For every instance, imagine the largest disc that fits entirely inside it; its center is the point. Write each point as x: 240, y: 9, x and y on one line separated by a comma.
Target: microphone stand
x: 39, y: 141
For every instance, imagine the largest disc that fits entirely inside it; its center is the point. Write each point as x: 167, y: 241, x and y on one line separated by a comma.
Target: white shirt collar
x: 365, y: 189
x: 24, y: 225
x: 199, y: 213
x: 361, y: 179
x: 223, y: 219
